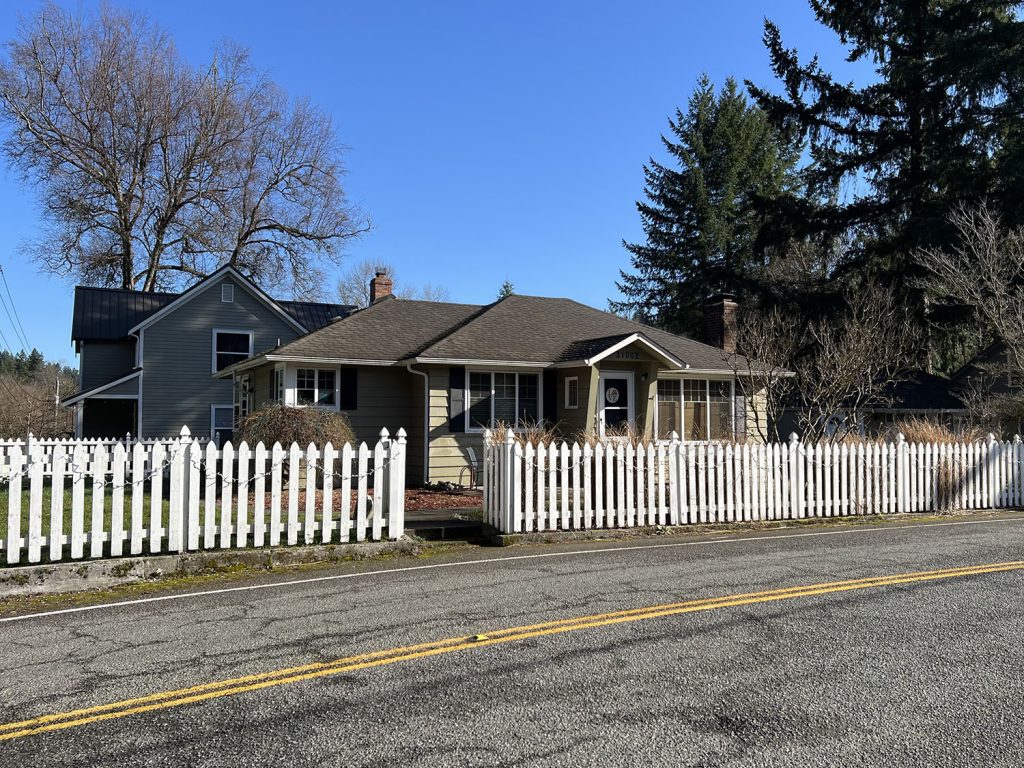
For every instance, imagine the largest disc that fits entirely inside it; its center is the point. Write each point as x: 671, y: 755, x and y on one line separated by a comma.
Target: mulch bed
x: 415, y: 499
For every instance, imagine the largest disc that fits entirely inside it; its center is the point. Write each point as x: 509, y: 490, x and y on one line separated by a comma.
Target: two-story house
x: 147, y: 360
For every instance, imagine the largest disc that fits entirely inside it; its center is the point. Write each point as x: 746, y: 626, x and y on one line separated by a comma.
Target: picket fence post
x: 396, y: 504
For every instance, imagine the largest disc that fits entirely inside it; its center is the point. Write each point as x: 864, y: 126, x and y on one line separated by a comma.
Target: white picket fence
x: 616, y: 485
x: 187, y: 495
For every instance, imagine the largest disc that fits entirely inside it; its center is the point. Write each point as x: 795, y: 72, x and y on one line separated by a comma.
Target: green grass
x: 86, y: 514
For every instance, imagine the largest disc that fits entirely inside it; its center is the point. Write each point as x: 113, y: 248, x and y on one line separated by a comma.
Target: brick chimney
x: 380, y: 286
x: 720, y: 322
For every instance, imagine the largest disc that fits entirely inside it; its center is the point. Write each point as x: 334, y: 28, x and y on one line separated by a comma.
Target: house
x: 446, y: 372
x: 147, y: 360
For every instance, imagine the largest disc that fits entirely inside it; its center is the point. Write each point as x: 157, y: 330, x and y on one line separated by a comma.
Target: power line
x: 19, y: 329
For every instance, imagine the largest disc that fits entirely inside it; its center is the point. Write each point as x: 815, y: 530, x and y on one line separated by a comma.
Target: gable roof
x: 111, y: 313
x: 525, y: 330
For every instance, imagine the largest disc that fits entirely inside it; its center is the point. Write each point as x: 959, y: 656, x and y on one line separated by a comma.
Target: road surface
x: 807, y: 647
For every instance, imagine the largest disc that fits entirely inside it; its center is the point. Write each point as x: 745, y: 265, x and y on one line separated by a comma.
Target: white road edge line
x: 491, y: 560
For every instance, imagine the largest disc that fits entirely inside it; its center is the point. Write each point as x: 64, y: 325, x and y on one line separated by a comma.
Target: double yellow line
x: 194, y: 694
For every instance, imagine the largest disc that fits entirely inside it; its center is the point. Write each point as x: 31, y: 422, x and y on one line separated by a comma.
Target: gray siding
x: 178, y: 387
x: 103, y: 361
x: 387, y: 397
x: 130, y: 387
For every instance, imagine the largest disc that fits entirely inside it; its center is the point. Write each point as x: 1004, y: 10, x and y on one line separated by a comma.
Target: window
x: 720, y: 410
x: 316, y: 386
x: 222, y: 423
x: 572, y: 392
x: 227, y: 293
x: 670, y: 409
x: 277, y: 386
x: 243, y: 397
x: 696, y: 409
x: 502, y: 398
x: 230, y: 347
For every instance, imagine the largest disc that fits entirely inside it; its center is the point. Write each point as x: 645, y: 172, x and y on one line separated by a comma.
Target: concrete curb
x: 81, y: 576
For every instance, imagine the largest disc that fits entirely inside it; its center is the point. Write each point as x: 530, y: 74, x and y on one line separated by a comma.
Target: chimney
x: 380, y: 286
x: 720, y: 322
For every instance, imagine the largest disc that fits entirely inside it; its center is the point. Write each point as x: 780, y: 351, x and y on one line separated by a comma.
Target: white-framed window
x: 316, y: 387
x: 277, y: 384
x: 696, y: 409
x: 243, y: 397
x: 227, y: 293
x: 230, y: 346
x: 572, y: 392
x: 222, y: 422
x: 497, y: 397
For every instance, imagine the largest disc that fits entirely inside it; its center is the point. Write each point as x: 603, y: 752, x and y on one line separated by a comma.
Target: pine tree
x: 890, y: 160
x: 506, y: 290
x: 704, y: 213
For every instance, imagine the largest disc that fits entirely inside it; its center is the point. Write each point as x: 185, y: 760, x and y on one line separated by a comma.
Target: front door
x: 615, y: 400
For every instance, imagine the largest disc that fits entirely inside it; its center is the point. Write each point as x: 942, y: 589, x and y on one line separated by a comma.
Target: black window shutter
x: 456, y: 399
x: 549, y: 383
x: 348, y: 384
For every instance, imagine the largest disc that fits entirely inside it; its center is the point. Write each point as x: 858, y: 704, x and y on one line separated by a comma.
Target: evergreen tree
x: 939, y: 125
x: 704, y: 213
x: 506, y: 290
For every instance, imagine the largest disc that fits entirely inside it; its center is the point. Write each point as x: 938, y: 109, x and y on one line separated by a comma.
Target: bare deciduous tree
x: 153, y: 172
x: 843, y: 364
x: 354, y: 285
x: 985, y: 271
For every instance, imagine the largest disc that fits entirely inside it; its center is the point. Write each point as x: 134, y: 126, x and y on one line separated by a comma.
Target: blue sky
x: 486, y: 140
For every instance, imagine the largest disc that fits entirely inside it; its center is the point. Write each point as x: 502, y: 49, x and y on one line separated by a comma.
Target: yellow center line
x: 237, y: 685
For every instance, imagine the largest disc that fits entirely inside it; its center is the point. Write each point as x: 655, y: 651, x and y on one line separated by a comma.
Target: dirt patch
x: 415, y: 499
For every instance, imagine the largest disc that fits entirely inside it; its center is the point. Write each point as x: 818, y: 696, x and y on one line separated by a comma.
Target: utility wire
x: 19, y: 329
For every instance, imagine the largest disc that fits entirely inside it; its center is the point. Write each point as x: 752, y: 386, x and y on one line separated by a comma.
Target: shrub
x: 286, y: 425
x: 918, y: 429
x: 538, y: 433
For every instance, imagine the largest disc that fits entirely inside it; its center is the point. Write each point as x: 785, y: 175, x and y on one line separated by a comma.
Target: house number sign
x: 626, y: 354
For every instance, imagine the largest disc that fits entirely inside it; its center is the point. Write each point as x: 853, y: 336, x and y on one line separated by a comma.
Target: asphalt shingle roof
x: 518, y: 328
x: 391, y: 329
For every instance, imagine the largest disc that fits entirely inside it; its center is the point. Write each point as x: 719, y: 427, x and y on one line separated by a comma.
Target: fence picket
x: 56, y: 537
x: 345, y: 498
x: 609, y: 486
x: 227, y: 473
x: 98, y: 467
x: 277, y: 455
x: 577, y: 513
x: 379, y: 491
x: 361, y: 468
x: 309, y: 521
x: 599, y: 486
x: 35, y: 504
x: 241, y: 532
x: 517, y: 481
x: 78, y: 460
x: 117, y: 466
x: 327, y: 524
x: 563, y: 489
x: 210, y: 498
x: 629, y: 478
x: 540, y: 506
x: 194, y: 460
x: 588, y: 489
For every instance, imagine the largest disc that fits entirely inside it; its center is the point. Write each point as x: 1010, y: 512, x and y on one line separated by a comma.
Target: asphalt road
x: 903, y: 674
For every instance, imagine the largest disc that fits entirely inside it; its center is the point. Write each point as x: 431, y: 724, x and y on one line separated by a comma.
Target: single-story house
x: 446, y: 372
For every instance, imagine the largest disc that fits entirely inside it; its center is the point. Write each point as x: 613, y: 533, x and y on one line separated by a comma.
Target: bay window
x: 695, y: 409
x: 511, y: 399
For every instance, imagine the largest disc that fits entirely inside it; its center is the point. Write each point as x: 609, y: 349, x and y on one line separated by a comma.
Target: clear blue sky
x: 486, y: 140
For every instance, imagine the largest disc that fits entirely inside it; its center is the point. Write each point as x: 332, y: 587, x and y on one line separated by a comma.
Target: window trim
x: 213, y: 344
x: 569, y: 404
x: 213, y: 417
x: 707, y: 405
x: 491, y: 371
x: 316, y: 389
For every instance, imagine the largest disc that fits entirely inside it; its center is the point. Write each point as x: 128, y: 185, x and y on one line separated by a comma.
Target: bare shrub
x: 918, y: 429
x: 286, y: 425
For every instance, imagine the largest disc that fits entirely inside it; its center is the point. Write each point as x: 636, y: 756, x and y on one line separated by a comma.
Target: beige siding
x: 449, y: 455
x: 572, y: 421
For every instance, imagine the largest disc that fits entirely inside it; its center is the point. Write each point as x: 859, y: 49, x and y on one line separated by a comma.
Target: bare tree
x: 985, y: 271
x: 853, y: 361
x: 771, y: 342
x: 354, y: 285
x: 153, y: 172
x: 829, y: 370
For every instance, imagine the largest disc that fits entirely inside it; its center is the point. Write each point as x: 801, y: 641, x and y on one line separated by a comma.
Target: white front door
x: 615, y: 404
